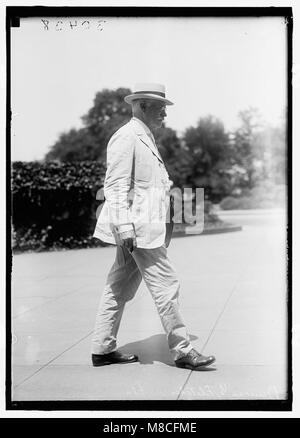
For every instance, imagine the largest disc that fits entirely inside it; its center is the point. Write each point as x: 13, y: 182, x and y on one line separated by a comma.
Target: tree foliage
x: 248, y: 149
x: 75, y: 145
x: 206, y: 155
x: 209, y: 154
x: 174, y: 155
x: 108, y: 113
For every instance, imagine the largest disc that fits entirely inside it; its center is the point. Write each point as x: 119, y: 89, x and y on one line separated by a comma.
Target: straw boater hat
x: 148, y: 91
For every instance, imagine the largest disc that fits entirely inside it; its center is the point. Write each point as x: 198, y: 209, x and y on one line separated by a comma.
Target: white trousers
x: 123, y: 280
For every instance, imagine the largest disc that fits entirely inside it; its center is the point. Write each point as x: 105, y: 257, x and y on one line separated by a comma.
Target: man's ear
x: 143, y: 106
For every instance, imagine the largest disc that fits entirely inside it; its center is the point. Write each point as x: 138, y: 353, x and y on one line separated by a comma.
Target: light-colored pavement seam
x: 52, y: 360
x: 50, y: 300
x: 45, y: 276
x: 242, y: 273
x: 184, y: 385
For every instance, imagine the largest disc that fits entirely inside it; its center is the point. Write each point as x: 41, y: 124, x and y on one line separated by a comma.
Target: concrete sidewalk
x: 233, y: 298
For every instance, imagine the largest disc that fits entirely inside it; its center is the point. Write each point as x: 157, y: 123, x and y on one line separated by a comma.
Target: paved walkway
x: 233, y: 298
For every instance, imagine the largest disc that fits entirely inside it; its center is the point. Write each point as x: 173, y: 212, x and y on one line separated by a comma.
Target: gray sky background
x: 216, y: 66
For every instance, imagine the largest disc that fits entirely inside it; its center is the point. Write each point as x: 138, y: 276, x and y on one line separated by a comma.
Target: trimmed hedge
x: 54, y: 204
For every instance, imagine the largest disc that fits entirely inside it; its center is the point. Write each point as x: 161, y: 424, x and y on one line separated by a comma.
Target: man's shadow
x: 154, y: 348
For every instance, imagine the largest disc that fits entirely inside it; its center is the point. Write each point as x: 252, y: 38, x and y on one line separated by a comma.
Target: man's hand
x: 125, y: 236
x: 128, y: 239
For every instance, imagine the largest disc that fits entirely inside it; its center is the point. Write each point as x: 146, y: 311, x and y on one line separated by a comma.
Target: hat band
x: 151, y: 92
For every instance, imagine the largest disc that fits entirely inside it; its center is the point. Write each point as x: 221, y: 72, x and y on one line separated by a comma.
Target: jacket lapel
x: 141, y: 133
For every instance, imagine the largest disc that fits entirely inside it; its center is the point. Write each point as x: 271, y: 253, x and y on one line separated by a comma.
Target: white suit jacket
x: 136, y: 187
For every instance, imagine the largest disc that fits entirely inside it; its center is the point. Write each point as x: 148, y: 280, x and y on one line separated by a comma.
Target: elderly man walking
x: 134, y: 218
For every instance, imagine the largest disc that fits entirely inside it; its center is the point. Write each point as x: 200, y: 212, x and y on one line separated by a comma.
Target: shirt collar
x: 147, y: 130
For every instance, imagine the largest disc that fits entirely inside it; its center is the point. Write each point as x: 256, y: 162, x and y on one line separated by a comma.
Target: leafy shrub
x: 54, y: 204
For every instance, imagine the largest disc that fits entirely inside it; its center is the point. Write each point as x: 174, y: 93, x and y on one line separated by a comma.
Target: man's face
x: 155, y: 113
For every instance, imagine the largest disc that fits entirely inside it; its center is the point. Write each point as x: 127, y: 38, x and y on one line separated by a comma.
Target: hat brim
x: 131, y: 97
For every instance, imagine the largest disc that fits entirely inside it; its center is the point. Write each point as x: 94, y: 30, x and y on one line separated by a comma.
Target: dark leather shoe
x: 194, y: 361
x: 113, y: 357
